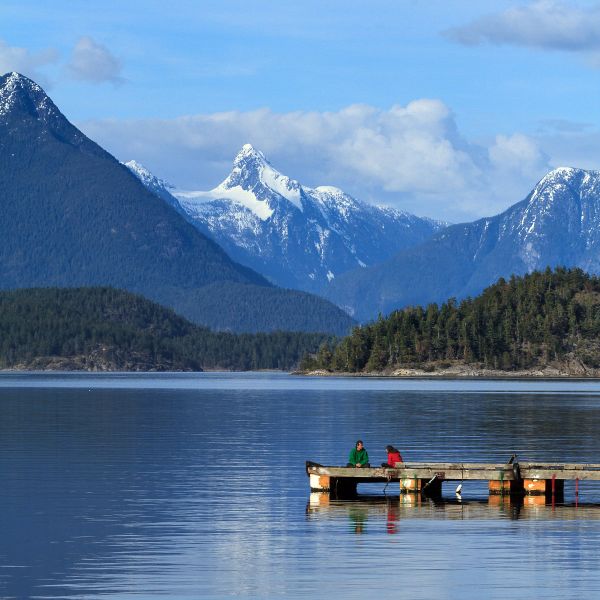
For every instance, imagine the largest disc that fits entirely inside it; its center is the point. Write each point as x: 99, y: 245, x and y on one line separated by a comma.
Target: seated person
x: 393, y: 457
x: 358, y: 456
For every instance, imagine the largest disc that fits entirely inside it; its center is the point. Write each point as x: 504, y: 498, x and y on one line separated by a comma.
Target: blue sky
x: 450, y: 109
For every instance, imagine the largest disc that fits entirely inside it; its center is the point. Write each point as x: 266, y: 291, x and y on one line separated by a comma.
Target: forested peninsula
x: 541, y: 324
x: 107, y: 329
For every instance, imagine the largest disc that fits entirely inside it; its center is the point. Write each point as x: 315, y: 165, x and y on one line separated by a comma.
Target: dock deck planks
x: 461, y: 471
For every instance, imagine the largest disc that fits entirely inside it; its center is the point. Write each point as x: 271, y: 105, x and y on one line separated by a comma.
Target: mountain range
x: 557, y: 224
x: 74, y: 216
x: 295, y: 235
x: 324, y: 240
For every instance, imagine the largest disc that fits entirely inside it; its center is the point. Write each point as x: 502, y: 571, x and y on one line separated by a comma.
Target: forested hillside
x: 525, y: 322
x: 109, y: 329
x: 73, y: 216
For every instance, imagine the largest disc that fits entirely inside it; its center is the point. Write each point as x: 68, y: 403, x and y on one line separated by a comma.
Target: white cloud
x: 26, y: 62
x: 544, y: 24
x: 405, y: 149
x: 516, y: 153
x: 93, y: 62
x: 411, y: 156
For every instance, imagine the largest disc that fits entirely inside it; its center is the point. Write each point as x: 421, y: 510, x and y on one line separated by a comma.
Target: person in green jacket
x: 359, y: 456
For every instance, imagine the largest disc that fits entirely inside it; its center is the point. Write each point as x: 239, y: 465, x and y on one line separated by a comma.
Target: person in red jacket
x: 393, y: 457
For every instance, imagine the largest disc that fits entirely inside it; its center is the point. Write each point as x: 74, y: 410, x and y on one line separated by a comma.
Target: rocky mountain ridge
x: 295, y: 235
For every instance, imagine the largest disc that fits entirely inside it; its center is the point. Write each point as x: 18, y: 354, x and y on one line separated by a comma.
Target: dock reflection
x: 392, y: 510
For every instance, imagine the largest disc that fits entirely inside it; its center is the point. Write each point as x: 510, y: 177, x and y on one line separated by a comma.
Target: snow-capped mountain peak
x: 163, y: 189
x: 296, y: 235
x: 565, y: 200
x: 252, y: 172
x: 26, y: 110
x: 146, y: 177
x: 248, y: 153
x: 253, y: 184
x: 11, y: 85
x: 21, y: 93
x: 560, y: 176
x: 329, y: 189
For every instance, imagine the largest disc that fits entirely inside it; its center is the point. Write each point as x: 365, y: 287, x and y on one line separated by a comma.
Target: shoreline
x: 565, y: 372
x: 452, y: 373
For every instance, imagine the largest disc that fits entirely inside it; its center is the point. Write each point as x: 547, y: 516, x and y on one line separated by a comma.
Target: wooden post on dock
x: 410, y: 486
x: 337, y: 487
x: 320, y: 483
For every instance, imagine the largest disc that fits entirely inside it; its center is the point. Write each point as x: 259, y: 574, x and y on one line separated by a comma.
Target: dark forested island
x: 102, y: 328
x: 544, y: 323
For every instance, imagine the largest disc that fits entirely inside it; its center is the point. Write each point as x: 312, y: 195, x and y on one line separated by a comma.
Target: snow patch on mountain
x: 282, y: 185
x: 193, y: 201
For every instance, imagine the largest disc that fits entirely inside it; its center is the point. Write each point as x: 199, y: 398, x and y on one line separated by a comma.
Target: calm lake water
x: 193, y: 486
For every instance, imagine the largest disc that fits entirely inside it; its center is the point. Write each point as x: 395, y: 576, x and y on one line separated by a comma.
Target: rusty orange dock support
x: 544, y: 487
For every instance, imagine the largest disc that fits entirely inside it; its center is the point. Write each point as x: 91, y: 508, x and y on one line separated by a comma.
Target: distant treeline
x: 106, y: 328
x: 521, y: 323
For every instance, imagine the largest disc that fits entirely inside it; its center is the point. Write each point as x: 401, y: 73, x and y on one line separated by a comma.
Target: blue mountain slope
x: 557, y: 224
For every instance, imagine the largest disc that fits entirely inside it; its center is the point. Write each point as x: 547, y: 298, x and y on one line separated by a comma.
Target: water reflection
x: 385, y: 513
x: 198, y: 490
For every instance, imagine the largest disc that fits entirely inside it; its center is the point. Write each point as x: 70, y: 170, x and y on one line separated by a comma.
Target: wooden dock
x: 516, y: 478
